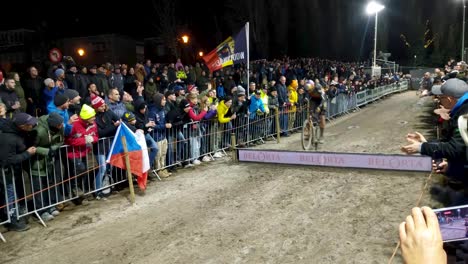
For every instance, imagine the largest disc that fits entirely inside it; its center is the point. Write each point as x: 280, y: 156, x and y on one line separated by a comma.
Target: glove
x: 318, y: 110
x: 89, y: 139
x: 53, y: 151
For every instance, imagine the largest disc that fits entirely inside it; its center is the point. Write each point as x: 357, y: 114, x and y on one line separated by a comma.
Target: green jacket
x: 150, y: 91
x: 46, y: 139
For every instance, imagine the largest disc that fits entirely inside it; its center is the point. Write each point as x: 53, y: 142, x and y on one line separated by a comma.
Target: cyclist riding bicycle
x: 318, y: 105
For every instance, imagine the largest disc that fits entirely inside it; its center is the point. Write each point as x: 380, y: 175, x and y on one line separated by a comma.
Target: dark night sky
x: 324, y: 28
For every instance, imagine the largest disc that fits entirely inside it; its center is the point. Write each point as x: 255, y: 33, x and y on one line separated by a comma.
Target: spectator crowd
x: 55, y: 120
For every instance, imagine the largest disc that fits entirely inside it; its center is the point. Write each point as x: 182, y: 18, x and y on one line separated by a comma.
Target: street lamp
x: 200, y: 53
x: 374, y: 8
x: 185, y: 39
x: 81, y: 52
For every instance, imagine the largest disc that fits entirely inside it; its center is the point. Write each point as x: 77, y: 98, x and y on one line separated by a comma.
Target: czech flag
x: 137, y: 153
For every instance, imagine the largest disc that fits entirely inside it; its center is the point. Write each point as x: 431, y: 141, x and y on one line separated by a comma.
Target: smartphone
x: 453, y: 223
x: 437, y: 157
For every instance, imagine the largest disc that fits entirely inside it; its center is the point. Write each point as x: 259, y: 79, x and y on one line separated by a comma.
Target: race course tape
x: 341, y: 160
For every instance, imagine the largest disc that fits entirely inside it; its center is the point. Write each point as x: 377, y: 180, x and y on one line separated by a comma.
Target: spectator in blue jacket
x: 158, y: 115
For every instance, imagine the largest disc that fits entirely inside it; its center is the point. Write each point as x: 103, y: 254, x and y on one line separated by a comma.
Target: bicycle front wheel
x: 307, y: 136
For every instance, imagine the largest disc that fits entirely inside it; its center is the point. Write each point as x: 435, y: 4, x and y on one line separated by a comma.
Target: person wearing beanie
x: 171, y: 101
x: 129, y: 119
x: 49, y: 91
x: 60, y: 105
x: 16, y: 148
x: 47, y: 165
x: 74, y: 101
x: 60, y: 80
x: 81, y: 139
x: 157, y: 113
x: 59, y: 73
x: 97, y: 102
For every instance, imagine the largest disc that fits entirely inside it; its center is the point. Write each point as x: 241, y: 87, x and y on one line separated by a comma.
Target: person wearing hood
x: 15, y: 150
x: 146, y: 124
x: 46, y: 167
x: 225, y: 118
x: 157, y: 113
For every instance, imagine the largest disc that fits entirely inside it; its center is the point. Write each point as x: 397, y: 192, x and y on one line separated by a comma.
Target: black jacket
x: 453, y: 148
x: 9, y: 98
x: 14, y: 146
x: 106, y: 129
x: 33, y: 88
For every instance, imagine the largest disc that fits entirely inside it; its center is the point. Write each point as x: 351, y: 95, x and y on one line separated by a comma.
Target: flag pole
x: 129, y: 172
x: 247, y: 34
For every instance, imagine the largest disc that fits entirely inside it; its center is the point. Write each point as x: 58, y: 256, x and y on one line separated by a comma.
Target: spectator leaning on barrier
x: 283, y: 100
x: 15, y: 150
x: 83, y: 135
x: 453, y: 148
x: 60, y: 105
x: 107, y: 123
x: 46, y: 167
x: 292, y: 94
x: 157, y: 113
x: 144, y: 123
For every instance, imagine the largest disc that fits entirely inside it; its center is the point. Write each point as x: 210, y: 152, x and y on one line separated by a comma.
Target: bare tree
x: 166, y: 24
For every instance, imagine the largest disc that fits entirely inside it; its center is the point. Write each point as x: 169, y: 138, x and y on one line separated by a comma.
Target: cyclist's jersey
x: 318, y: 99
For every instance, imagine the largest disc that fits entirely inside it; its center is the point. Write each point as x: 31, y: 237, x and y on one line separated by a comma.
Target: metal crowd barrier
x: 45, y: 182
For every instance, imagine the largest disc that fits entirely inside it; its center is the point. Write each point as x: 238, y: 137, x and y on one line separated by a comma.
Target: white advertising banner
x: 341, y: 160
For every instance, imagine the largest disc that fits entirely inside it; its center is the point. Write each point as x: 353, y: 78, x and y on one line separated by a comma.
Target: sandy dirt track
x: 225, y: 212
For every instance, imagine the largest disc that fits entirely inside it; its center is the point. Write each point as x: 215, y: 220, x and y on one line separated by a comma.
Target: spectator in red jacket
x: 83, y: 135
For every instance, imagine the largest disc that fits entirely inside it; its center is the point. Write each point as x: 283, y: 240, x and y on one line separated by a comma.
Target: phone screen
x: 453, y: 222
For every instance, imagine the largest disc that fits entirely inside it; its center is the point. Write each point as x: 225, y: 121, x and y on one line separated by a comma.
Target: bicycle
x: 309, y: 135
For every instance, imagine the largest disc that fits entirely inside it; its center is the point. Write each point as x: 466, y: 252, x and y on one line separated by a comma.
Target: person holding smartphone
x: 421, y: 239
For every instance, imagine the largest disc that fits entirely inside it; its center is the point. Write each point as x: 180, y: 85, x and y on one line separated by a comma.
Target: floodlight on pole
x: 200, y: 53
x: 374, y: 8
x: 185, y: 39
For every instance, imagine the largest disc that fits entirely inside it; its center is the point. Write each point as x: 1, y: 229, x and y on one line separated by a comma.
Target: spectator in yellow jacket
x: 292, y: 91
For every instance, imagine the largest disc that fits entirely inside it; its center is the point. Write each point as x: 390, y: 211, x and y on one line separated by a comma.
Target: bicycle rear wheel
x: 307, y: 136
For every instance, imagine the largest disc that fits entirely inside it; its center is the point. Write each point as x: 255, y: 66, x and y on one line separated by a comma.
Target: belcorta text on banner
x: 231, y: 51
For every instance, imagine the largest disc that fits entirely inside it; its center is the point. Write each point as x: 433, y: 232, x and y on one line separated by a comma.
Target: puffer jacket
x: 76, y: 139
x: 44, y: 141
